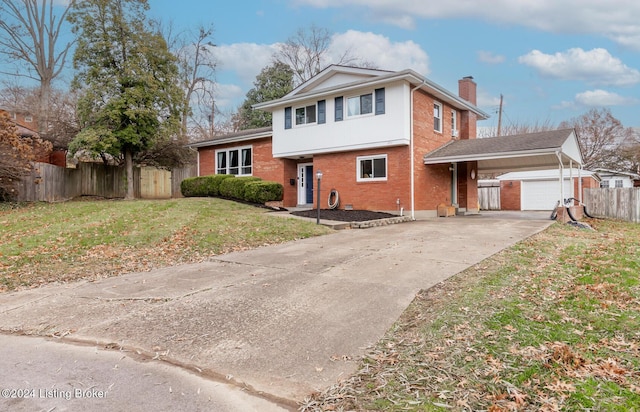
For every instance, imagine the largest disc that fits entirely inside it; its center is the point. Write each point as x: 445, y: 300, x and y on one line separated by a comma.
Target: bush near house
x: 247, y: 188
x: 263, y: 191
x: 234, y: 188
x: 202, y: 186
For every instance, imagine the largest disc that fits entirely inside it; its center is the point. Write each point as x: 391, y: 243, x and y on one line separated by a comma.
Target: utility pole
x: 500, y: 116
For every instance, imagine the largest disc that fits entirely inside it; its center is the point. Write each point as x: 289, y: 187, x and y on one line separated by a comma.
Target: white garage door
x: 542, y: 194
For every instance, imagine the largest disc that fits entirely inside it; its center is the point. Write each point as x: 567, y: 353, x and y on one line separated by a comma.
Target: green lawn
x: 550, y: 324
x: 42, y: 243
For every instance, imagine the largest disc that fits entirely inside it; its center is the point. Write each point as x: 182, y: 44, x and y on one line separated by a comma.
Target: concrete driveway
x: 280, y: 321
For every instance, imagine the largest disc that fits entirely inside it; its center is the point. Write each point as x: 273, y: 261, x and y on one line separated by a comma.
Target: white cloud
x: 246, y: 60
x: 603, y: 98
x: 380, y: 51
x: 596, y: 98
x: 490, y: 58
x: 229, y: 96
x: 487, y: 100
x: 596, y: 66
x: 615, y: 19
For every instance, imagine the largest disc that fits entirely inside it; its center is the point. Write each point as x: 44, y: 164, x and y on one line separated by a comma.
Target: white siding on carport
x: 542, y: 194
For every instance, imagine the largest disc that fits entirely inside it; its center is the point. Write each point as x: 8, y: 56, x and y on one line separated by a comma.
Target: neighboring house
x: 26, y: 126
x: 371, y: 133
x: 540, y: 189
x: 612, y: 178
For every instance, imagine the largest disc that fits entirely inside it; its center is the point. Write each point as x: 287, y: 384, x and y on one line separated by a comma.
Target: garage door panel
x: 542, y: 194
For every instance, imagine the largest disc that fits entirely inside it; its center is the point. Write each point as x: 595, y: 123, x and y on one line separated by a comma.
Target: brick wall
x: 433, y: 182
x: 340, y: 172
x: 510, y: 195
x: 206, y: 161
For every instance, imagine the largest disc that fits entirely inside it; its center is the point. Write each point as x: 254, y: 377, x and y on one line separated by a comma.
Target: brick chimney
x: 467, y: 91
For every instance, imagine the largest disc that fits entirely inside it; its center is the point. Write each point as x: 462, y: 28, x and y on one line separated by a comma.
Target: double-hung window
x: 604, y: 184
x: 306, y: 115
x: 437, y: 117
x: 454, y: 123
x: 236, y: 161
x: 619, y: 183
x: 371, y: 168
x: 359, y: 105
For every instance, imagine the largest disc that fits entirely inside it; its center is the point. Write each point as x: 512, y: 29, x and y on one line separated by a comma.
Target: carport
x: 533, y: 151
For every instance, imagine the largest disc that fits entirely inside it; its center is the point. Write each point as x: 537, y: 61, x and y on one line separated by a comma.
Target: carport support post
x: 319, y: 177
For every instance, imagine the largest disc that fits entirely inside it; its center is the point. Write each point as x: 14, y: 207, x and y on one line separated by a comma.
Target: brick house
x: 370, y: 133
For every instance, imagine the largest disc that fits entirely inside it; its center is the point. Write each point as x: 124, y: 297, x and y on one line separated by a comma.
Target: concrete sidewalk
x: 281, y: 321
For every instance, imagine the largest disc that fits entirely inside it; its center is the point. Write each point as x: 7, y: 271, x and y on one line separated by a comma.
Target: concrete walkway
x: 279, y: 321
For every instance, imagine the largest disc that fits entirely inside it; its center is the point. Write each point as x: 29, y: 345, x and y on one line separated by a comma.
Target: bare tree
x: 517, y: 128
x: 29, y: 35
x: 601, y: 136
x: 306, y: 53
x: 197, y: 64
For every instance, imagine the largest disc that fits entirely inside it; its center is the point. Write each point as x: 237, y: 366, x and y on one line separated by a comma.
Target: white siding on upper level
x: 353, y: 133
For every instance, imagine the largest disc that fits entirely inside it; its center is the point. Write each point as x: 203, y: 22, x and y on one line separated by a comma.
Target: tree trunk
x: 43, y: 107
x: 128, y: 163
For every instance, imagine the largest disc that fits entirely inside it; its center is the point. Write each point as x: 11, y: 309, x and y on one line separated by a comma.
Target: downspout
x: 411, y: 160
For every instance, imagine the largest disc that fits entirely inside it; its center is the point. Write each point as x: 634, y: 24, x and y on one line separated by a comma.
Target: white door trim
x: 302, y: 183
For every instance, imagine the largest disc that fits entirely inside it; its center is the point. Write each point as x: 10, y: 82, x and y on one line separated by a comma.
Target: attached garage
x: 540, y: 189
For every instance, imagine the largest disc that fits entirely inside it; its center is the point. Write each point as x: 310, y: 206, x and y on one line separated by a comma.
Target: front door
x: 305, y: 184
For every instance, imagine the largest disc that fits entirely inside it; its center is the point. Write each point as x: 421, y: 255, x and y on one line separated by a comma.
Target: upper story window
x: 363, y: 104
x: 306, y: 115
x: 28, y: 119
x: 454, y: 123
x: 371, y: 168
x: 437, y: 117
x: 359, y: 105
x: 234, y: 161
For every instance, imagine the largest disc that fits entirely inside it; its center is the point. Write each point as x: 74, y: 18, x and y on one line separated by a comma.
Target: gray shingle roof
x: 242, y: 135
x: 503, y: 144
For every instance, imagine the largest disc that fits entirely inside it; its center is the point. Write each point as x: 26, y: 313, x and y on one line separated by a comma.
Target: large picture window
x: 372, y: 168
x: 236, y: 161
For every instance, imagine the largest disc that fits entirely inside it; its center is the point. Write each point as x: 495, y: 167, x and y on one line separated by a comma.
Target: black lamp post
x: 319, y: 178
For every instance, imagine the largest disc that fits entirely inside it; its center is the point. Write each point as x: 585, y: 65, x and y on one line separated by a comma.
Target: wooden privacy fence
x: 49, y: 183
x: 615, y: 203
x: 489, y: 195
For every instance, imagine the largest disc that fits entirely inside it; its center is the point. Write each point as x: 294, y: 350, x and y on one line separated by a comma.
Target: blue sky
x: 552, y: 60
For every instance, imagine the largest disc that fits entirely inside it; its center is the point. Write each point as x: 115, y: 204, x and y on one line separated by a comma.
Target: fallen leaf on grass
x: 559, y: 386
